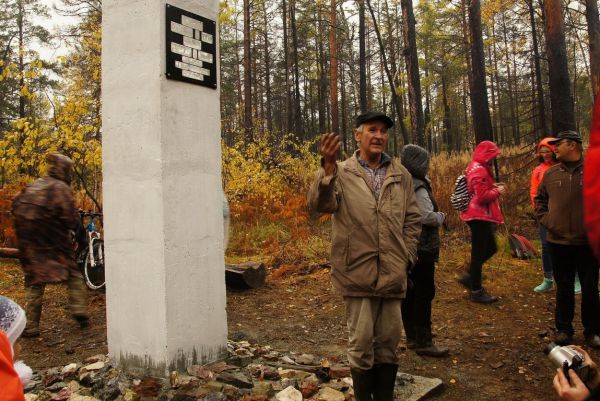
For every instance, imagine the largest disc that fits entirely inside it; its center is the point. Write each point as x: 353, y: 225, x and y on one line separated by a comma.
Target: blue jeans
x: 546, y: 260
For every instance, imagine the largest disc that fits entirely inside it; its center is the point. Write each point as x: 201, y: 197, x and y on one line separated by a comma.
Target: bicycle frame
x: 90, y: 256
x: 91, y: 239
x: 92, y: 235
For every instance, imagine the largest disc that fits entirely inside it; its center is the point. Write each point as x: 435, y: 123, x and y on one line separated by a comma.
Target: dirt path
x: 496, y: 350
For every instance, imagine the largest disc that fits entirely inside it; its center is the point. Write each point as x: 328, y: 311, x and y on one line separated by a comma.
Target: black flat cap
x: 572, y: 135
x: 372, y: 116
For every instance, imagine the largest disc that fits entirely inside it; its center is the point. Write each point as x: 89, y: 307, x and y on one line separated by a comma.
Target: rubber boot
x: 363, y: 382
x: 577, y: 285
x: 546, y: 285
x: 385, y: 382
x: 481, y: 296
x: 77, y: 300
x: 411, y: 334
x: 33, y: 309
x: 426, y: 345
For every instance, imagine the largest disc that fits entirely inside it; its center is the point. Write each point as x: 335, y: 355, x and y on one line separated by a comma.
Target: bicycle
x: 90, y: 251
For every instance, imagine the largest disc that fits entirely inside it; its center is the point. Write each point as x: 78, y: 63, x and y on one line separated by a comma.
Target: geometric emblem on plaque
x: 191, y: 47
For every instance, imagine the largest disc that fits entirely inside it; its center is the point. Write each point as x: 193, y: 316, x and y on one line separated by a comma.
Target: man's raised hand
x: 330, y: 143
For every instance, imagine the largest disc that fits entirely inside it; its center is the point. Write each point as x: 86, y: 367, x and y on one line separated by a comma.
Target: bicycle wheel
x: 94, y: 275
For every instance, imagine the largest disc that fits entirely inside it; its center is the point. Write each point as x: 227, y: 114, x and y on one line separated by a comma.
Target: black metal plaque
x: 191, y: 48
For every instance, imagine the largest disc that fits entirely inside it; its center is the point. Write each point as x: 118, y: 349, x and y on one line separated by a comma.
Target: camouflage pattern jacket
x: 44, y: 214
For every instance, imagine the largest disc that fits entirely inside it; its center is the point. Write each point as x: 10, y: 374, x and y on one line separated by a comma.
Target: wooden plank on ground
x: 9, y: 253
x: 245, y: 276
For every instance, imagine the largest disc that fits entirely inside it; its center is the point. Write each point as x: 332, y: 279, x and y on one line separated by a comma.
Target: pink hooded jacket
x: 591, y: 184
x: 480, y: 182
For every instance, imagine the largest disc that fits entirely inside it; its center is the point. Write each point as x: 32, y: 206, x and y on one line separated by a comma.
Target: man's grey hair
x: 360, y: 127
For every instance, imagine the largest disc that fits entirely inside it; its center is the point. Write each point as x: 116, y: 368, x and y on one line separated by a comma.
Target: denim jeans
x: 546, y: 259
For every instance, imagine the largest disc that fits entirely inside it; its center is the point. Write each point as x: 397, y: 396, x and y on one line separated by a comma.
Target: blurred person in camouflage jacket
x: 45, y: 214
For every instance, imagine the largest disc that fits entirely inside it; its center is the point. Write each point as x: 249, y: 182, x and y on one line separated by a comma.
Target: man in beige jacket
x: 376, y: 227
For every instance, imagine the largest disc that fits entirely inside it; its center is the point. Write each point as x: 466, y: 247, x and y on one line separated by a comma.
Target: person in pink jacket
x: 482, y: 215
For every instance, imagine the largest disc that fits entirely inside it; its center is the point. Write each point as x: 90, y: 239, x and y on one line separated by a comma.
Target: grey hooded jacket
x: 416, y: 160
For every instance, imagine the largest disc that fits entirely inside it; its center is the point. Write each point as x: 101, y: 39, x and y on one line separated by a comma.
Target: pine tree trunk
x: 500, y: 134
x: 344, y: 123
x: 509, y: 80
x: 239, y: 122
x: 298, y: 127
x: 467, y: 54
x: 333, y: 68
x: 561, y: 98
x: 286, y: 63
x: 268, y: 95
x: 593, y: 22
x: 322, y: 75
x: 247, y: 76
x: 447, y: 117
x: 541, y: 108
x: 412, y: 66
x: 362, y: 56
x: 20, y: 22
x: 493, y: 89
x: 479, y: 100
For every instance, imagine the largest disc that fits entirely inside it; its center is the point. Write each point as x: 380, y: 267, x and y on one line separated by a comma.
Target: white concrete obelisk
x: 163, y: 219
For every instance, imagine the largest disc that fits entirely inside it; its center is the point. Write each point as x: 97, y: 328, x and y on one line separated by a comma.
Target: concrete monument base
x: 163, y: 214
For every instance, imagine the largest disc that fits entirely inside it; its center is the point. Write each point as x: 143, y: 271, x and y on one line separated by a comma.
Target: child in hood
x: 14, y: 374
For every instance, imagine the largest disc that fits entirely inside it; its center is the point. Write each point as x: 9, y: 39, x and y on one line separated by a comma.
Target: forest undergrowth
x: 267, y: 187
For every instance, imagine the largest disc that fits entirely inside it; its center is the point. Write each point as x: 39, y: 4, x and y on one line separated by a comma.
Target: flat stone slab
x: 420, y: 388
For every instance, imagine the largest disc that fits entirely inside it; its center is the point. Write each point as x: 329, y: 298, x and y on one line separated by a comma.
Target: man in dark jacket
x: 416, y: 307
x: 559, y: 208
x: 44, y: 215
x: 375, y: 230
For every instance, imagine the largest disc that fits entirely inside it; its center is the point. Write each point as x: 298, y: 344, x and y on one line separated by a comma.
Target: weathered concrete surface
x: 163, y: 205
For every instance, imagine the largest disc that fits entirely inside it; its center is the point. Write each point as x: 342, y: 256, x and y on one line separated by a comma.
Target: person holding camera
x: 573, y: 388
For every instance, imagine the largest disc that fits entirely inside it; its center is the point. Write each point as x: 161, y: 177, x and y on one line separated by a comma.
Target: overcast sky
x: 53, y: 24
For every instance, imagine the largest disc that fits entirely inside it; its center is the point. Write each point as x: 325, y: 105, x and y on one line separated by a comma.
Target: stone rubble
x: 250, y: 373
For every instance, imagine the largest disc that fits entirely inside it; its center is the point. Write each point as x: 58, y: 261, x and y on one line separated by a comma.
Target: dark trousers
x: 483, y: 247
x: 566, y: 261
x: 416, y: 307
x: 546, y: 260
